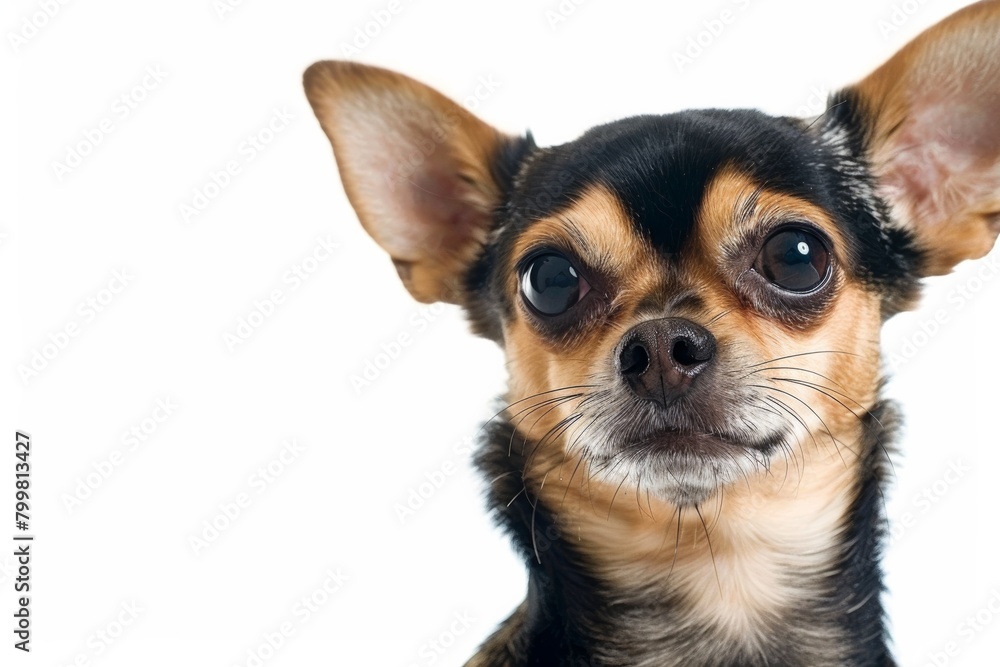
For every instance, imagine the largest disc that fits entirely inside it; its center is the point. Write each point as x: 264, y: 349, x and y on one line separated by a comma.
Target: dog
x: 693, y: 449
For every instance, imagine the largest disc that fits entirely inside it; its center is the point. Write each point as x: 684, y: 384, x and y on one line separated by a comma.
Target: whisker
x: 823, y: 390
x: 677, y: 543
x: 638, y: 497
x: 666, y: 531
x: 612, y: 503
x: 803, y: 354
x: 798, y: 418
x: 718, y: 317
x: 797, y: 369
x: 556, y: 401
x: 534, y: 511
x: 541, y: 393
x: 556, y: 404
x: 875, y: 434
x: 554, y: 432
x: 828, y: 430
x: 570, y: 481
x: 523, y: 490
x: 711, y: 551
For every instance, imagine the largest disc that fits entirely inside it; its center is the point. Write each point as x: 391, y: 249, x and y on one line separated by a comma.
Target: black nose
x: 659, y: 359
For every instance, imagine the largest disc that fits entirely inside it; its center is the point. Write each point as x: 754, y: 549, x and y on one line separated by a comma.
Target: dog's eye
x: 794, y: 260
x: 551, y: 285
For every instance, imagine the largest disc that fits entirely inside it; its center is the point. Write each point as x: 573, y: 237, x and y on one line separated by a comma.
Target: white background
x: 334, y: 507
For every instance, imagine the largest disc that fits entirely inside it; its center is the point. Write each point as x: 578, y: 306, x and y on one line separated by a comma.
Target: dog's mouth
x: 684, y: 453
x: 678, y: 442
x: 685, y: 467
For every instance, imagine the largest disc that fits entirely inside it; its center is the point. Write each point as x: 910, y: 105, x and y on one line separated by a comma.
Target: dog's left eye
x: 552, y: 285
x: 794, y: 259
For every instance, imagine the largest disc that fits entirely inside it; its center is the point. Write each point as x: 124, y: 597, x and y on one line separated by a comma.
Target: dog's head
x: 684, y: 298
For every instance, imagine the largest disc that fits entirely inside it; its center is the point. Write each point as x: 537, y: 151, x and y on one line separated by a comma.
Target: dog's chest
x: 740, y: 585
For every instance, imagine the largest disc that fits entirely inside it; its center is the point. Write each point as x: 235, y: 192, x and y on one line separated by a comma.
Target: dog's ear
x: 931, y: 126
x: 421, y: 171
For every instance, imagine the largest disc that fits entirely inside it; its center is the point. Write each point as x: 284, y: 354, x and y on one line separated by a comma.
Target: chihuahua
x: 693, y: 449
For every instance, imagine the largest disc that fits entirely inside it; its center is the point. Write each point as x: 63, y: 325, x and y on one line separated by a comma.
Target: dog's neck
x: 781, y: 568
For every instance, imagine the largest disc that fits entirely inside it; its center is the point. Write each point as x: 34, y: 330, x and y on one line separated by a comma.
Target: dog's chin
x: 688, y: 469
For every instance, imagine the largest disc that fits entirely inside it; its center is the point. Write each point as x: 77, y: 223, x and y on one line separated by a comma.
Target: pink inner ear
x: 945, y: 158
x: 442, y: 206
x: 416, y: 166
x: 426, y: 207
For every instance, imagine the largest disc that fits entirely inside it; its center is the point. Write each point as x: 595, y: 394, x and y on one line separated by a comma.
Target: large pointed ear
x: 422, y: 173
x: 931, y: 117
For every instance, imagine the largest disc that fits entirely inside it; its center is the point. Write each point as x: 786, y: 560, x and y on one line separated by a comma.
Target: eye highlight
x: 793, y: 259
x: 551, y: 284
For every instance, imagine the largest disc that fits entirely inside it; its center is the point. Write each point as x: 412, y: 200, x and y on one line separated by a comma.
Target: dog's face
x: 684, y: 299
x: 687, y: 296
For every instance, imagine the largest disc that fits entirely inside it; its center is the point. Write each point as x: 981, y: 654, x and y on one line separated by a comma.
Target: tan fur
x: 725, y: 217
x: 785, y: 519
x: 609, y: 245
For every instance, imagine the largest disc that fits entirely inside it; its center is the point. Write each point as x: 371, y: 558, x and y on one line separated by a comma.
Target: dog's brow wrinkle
x: 689, y: 301
x: 651, y: 303
x: 662, y: 303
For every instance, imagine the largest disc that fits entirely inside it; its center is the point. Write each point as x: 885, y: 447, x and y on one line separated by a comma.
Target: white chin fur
x: 683, y: 480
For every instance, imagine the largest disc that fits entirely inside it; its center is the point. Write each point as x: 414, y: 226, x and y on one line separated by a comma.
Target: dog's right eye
x: 551, y: 285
